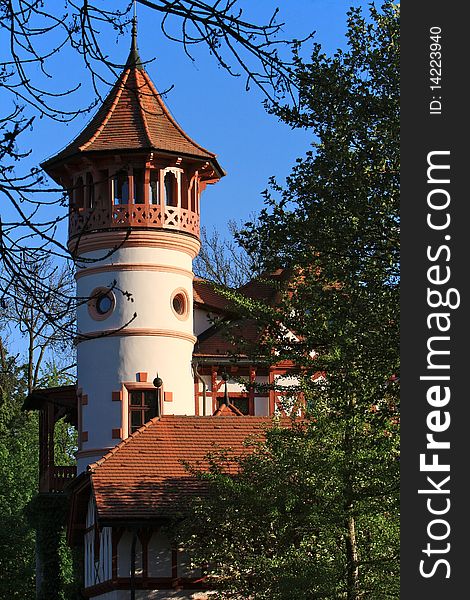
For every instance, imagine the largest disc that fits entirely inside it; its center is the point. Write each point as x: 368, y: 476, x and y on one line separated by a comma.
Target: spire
x: 134, y: 58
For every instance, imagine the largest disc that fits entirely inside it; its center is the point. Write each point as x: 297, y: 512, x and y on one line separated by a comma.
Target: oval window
x: 180, y: 304
x: 101, y: 304
x: 104, y: 304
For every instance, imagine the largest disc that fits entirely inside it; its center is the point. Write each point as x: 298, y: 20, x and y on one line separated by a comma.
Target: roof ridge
x: 141, y: 108
x: 170, y: 116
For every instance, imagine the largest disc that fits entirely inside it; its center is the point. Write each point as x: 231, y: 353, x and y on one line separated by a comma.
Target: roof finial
x: 134, y: 58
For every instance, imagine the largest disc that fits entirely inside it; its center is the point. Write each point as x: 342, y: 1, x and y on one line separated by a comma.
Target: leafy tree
x: 21, y: 509
x: 18, y: 482
x: 316, y: 507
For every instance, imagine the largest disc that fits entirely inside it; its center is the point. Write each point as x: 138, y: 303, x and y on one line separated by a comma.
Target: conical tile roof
x: 134, y: 117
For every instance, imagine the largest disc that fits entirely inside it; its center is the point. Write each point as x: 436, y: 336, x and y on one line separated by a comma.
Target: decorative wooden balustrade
x: 55, y: 478
x: 134, y: 215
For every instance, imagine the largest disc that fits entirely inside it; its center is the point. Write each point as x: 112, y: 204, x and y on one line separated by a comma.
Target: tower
x: 134, y: 180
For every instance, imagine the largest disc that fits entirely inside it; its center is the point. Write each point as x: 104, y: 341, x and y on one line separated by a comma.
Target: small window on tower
x: 143, y: 406
x: 101, y: 304
x: 90, y: 191
x: 78, y: 193
x: 171, y: 189
x: 180, y: 304
x: 194, y: 193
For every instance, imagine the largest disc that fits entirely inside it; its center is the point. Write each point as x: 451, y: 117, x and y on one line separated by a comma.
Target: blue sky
x: 212, y: 107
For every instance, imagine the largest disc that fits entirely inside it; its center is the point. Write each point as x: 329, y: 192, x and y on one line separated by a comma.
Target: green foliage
x: 314, y: 512
x: 18, y: 482
x: 47, y: 513
x: 20, y: 506
x: 277, y: 529
x: 65, y: 436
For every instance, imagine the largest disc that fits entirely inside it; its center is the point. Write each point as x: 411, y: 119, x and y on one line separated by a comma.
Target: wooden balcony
x: 54, y: 479
x: 134, y: 215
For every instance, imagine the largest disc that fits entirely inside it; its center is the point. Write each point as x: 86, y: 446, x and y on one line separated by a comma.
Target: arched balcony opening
x: 194, y: 193
x: 120, y: 188
x: 89, y: 191
x: 138, y: 186
x: 78, y: 194
x: 184, y: 192
x: 154, y: 187
x: 170, y: 184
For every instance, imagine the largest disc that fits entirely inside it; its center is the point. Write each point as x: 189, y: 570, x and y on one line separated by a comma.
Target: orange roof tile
x: 265, y: 287
x: 134, y: 117
x: 228, y: 410
x: 206, y: 295
x: 216, y: 342
x: 143, y: 477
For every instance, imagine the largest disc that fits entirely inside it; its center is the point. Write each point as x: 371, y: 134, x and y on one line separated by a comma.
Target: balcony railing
x: 56, y: 478
x: 134, y: 215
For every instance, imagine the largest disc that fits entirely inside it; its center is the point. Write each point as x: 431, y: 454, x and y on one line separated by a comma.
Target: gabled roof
x: 215, y: 342
x: 134, y: 117
x: 207, y: 297
x: 228, y: 410
x: 144, y: 478
x: 266, y: 287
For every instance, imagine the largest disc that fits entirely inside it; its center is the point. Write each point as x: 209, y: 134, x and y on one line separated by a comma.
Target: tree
x: 335, y: 226
x: 20, y: 506
x: 18, y: 482
x: 39, y: 291
x: 222, y: 261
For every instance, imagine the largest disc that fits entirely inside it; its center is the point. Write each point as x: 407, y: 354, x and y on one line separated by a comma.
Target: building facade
x: 156, y: 383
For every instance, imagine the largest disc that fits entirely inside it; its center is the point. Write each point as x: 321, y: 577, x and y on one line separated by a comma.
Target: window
x: 101, y: 304
x: 120, y: 188
x: 143, y: 406
x: 240, y: 402
x: 184, y: 191
x: 78, y: 193
x: 180, y: 304
x: 194, y: 192
x: 154, y: 191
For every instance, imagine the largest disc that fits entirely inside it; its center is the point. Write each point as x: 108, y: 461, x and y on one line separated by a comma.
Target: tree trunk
x: 352, y: 559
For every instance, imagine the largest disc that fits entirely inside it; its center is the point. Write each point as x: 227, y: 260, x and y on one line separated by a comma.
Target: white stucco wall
x: 155, y: 340
x: 202, y: 321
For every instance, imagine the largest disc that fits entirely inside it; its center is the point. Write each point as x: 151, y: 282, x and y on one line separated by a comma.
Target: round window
x: 101, y: 304
x: 104, y: 303
x: 180, y: 304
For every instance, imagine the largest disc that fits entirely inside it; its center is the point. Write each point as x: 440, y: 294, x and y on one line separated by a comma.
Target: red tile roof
x: 228, y: 410
x: 215, y: 342
x: 143, y: 477
x: 266, y: 287
x: 134, y: 117
x: 208, y: 297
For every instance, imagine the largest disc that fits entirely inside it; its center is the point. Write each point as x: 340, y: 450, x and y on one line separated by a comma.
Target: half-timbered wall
x: 98, y: 550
